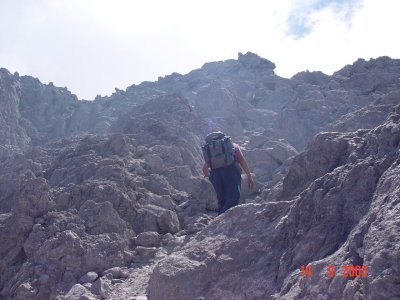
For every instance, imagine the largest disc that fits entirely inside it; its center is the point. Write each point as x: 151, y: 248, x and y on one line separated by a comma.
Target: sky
x: 94, y: 46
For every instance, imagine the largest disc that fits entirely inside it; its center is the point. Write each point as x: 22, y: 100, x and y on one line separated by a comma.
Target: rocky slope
x: 337, y: 206
x: 77, y: 205
x: 97, y: 197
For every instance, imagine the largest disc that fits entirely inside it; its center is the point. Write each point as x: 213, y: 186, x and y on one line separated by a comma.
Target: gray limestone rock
x: 101, y: 218
x: 252, y: 60
x: 146, y: 251
x: 103, y: 172
x: 79, y: 292
x: 116, y: 272
x: 88, y: 277
x: 101, y: 287
x: 25, y: 291
x: 148, y: 239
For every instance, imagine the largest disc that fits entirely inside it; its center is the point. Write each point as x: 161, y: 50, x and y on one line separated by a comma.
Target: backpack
x: 218, y: 151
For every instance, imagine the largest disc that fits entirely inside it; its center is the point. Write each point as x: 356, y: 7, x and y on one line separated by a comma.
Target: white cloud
x: 336, y: 40
x: 92, y: 46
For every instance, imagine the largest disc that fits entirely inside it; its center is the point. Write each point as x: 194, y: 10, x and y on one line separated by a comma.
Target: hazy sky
x: 94, y: 46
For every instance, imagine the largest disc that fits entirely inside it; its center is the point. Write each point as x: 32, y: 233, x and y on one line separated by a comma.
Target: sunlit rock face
x: 105, y: 199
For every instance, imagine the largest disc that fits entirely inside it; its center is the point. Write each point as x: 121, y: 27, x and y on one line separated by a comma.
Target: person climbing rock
x: 226, y: 161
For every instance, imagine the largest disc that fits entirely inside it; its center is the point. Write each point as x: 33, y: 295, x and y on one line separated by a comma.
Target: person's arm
x: 245, y: 167
x: 206, y: 171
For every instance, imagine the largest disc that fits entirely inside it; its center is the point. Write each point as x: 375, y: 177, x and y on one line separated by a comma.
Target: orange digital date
x: 347, y: 271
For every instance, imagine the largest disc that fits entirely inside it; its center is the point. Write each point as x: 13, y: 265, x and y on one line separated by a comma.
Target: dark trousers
x: 227, y: 183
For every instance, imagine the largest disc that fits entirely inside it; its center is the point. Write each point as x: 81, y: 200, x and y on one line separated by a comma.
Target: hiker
x: 223, y: 158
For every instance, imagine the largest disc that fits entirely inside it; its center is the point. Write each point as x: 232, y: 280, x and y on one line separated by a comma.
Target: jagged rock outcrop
x: 33, y: 113
x: 13, y: 136
x: 332, y: 215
